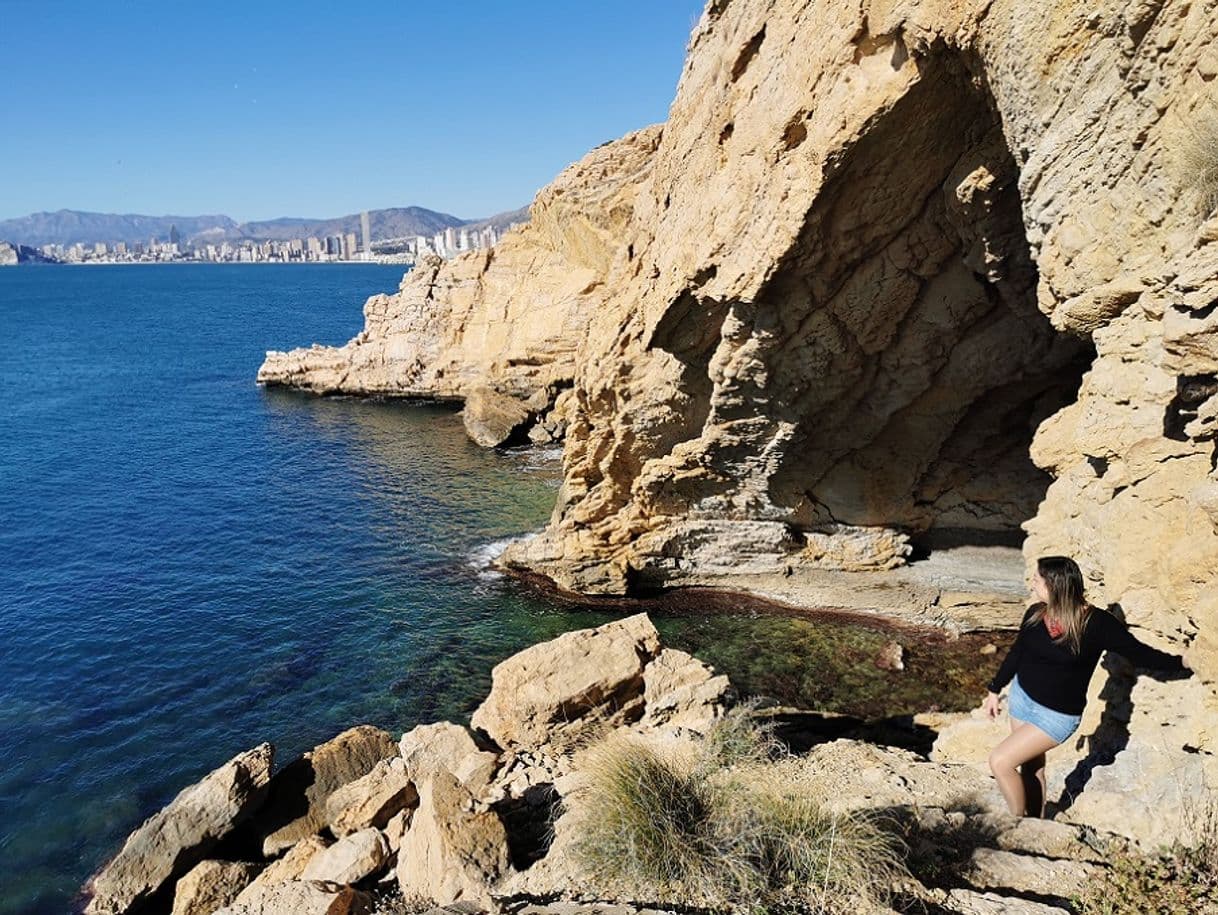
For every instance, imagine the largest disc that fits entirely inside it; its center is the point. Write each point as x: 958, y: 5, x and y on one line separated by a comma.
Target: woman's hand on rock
x: 990, y: 705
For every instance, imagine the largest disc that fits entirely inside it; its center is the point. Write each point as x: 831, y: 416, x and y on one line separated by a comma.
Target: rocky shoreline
x: 481, y: 817
x: 897, y: 300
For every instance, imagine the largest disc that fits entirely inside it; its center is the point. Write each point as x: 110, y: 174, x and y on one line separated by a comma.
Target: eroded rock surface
x: 497, y: 325
x: 178, y: 836
x: 556, y: 689
x: 296, y: 805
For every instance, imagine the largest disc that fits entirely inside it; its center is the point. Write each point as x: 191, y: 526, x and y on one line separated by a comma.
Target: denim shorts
x: 1057, y: 725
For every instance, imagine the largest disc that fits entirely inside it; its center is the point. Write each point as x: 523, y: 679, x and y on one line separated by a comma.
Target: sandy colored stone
x: 372, y: 799
x: 443, y: 746
x: 490, y: 418
x: 579, y: 680
x: 395, y: 830
x: 173, y: 840
x: 290, y: 867
x: 451, y: 852
x: 350, y: 859
x: 296, y: 803
x: 678, y: 689
x: 211, y: 885
x: 301, y: 897
x: 508, y: 318
x: 1032, y: 874
x: 971, y: 902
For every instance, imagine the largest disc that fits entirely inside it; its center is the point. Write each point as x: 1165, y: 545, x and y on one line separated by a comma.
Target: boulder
x: 350, y: 859
x: 371, y: 800
x: 452, y: 851
x: 290, y: 867
x: 296, y: 804
x: 302, y: 897
x: 449, y: 747
x: 173, y: 840
x: 992, y: 868
x: 211, y: 885
x: 490, y: 418
x: 678, y: 689
x: 586, y: 679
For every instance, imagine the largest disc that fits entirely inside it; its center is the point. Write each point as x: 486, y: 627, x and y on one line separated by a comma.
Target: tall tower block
x: 364, y: 227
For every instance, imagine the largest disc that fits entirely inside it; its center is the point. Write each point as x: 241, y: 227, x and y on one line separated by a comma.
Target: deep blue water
x: 190, y: 564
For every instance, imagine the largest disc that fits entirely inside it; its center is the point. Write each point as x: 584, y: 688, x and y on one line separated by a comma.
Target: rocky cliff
x: 497, y: 327
x: 895, y: 277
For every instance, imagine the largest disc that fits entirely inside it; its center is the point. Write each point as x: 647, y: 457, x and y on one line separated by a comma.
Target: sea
x: 191, y: 564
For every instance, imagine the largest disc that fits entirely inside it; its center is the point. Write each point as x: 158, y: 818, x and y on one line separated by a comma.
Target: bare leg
x: 1025, y: 743
x: 1032, y: 774
x: 1036, y: 804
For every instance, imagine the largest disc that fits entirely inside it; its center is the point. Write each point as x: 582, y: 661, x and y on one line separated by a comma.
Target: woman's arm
x: 1118, y: 638
x: 1006, y: 670
x: 1010, y: 664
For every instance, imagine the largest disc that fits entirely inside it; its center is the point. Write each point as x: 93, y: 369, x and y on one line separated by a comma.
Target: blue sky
x: 262, y: 109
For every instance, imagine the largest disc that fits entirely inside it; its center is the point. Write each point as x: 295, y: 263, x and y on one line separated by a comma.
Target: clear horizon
x: 311, y: 111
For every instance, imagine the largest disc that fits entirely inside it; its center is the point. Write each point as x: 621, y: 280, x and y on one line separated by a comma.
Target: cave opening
x: 915, y: 365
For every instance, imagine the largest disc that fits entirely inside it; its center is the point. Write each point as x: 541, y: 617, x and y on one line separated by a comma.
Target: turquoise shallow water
x: 192, y: 565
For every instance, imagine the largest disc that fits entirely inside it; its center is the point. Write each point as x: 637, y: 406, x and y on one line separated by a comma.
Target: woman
x: 1049, y: 666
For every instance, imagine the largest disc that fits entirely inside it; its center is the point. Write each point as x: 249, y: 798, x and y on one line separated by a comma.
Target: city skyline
x: 264, y: 110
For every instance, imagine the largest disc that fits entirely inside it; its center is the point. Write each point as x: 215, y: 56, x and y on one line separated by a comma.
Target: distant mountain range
x: 67, y: 227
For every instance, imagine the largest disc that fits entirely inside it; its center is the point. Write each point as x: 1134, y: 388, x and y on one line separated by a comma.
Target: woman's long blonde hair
x: 1066, y: 602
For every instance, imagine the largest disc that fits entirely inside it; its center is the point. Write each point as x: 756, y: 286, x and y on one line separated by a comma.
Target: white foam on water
x: 481, y: 556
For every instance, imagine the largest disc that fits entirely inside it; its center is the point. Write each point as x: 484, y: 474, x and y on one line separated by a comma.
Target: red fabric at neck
x: 1055, y: 628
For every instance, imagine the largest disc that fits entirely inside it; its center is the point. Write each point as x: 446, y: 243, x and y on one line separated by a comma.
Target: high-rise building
x: 366, y: 230
x: 174, y: 237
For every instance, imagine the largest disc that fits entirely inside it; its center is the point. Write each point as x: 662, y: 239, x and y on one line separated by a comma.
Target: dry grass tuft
x: 1198, y: 159
x: 724, y: 824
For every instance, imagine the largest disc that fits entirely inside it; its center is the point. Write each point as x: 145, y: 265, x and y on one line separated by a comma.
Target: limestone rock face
x: 296, y: 804
x: 451, y: 852
x: 504, y: 321
x: 178, y: 836
x: 906, y: 275
x: 211, y: 885
x: 680, y: 690
x: 579, y: 680
x: 371, y: 800
x: 447, y: 747
x: 350, y: 859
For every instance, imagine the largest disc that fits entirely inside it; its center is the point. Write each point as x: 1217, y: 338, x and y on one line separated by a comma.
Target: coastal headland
x: 897, y: 300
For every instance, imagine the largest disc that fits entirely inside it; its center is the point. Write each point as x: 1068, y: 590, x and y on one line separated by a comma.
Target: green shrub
x: 1179, y: 880
x: 723, y: 824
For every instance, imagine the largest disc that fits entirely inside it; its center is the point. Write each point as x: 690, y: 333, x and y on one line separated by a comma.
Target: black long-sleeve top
x: 1055, y: 676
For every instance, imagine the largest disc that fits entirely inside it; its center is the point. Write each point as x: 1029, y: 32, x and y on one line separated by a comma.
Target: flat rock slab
x: 350, y: 859
x: 177, y: 837
x: 968, y: 902
x: 372, y: 800
x: 992, y: 868
x: 302, y: 897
